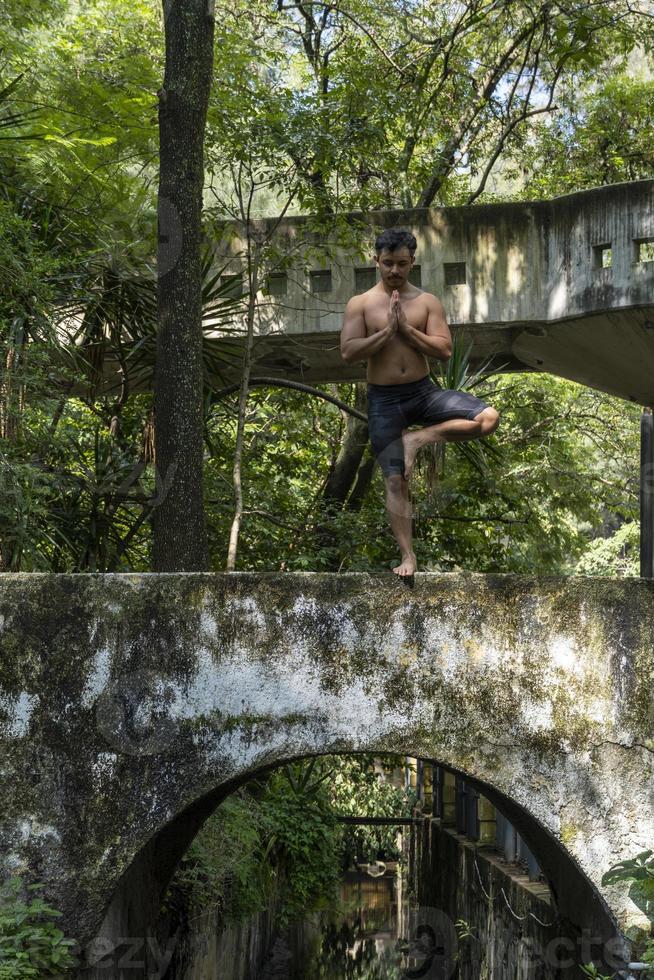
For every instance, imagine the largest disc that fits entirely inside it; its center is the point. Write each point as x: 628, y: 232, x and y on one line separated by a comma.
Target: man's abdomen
x: 397, y: 364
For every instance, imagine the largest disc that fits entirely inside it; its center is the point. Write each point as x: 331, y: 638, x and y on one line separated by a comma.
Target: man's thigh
x: 443, y: 404
x: 386, y: 419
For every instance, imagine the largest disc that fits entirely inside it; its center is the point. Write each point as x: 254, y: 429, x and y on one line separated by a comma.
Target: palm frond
x: 456, y: 374
x: 114, y: 319
x: 12, y: 119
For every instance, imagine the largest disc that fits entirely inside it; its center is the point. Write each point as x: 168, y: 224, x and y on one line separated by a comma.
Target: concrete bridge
x: 564, y: 286
x: 130, y: 705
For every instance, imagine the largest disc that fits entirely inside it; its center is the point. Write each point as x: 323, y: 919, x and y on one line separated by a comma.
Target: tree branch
x: 488, y: 85
x: 357, y: 23
x: 296, y: 386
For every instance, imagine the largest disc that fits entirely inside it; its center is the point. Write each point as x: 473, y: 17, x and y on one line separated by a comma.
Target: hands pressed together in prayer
x: 397, y: 320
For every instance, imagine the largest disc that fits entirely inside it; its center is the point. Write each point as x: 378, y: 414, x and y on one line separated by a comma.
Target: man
x: 396, y: 327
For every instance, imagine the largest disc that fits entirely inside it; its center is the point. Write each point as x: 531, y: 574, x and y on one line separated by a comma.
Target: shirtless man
x: 395, y: 327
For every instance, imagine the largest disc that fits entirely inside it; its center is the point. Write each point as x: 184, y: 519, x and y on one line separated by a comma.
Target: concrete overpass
x: 130, y: 705
x: 564, y: 286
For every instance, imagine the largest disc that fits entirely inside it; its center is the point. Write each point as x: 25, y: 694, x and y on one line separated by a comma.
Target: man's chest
x: 376, y: 315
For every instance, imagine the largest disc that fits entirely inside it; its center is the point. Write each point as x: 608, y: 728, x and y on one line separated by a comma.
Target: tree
x: 180, y: 542
x: 603, y: 133
x: 426, y: 97
x: 342, y: 88
x: 415, y: 104
x: 248, y: 121
x: 567, y: 462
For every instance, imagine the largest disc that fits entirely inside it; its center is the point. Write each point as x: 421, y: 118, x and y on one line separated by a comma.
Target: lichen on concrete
x: 128, y: 700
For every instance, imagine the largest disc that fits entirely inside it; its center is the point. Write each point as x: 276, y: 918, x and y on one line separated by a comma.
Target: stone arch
x: 134, y: 905
x: 143, y: 695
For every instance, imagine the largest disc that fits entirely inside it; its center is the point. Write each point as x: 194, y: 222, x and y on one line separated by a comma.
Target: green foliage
x: 304, y: 837
x: 463, y: 930
x: 225, y: 867
x: 31, y: 946
x: 603, y: 133
x: 25, y: 268
x: 565, y: 470
x: 78, y: 239
x: 615, y: 556
x: 539, y: 503
x: 361, y: 786
x: 639, y: 873
x: 590, y: 970
x: 280, y: 838
x: 456, y: 373
x: 280, y: 835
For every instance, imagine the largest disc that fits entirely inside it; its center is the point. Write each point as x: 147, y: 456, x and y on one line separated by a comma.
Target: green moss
x: 472, y: 714
x: 568, y: 833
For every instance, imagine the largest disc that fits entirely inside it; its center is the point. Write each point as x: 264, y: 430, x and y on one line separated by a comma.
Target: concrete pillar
x: 647, y: 494
x: 412, y: 774
x: 420, y: 782
x: 428, y: 788
x: 487, y: 826
x: 506, y: 838
x: 449, y: 798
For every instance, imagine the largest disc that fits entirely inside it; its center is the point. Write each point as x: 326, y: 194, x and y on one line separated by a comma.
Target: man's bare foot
x: 412, y: 443
x: 407, y: 566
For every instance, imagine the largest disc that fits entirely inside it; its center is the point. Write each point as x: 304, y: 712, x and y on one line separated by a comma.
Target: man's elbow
x: 351, y: 355
x: 443, y: 351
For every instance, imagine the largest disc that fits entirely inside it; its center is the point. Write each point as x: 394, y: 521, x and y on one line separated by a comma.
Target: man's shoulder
x: 361, y: 300
x: 431, y: 299
x: 355, y: 302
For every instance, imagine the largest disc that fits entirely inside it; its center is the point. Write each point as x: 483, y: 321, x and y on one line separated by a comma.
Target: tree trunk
x: 364, y: 478
x: 180, y: 537
x: 342, y: 477
x: 353, y: 446
x: 7, y: 413
x: 253, y: 287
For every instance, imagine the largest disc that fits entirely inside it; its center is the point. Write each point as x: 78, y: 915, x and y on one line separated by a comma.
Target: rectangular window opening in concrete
x: 602, y: 256
x: 415, y: 276
x: 321, y: 280
x: 232, y: 285
x: 644, y: 249
x: 365, y: 278
x: 455, y: 273
x: 278, y: 284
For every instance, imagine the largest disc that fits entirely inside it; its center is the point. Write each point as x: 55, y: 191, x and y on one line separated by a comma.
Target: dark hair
x: 394, y: 238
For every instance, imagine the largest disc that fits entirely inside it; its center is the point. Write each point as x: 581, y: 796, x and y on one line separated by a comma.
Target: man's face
x: 394, y: 266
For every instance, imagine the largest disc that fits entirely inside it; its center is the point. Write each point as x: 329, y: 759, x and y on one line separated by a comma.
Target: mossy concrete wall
x: 513, y: 929
x: 131, y: 704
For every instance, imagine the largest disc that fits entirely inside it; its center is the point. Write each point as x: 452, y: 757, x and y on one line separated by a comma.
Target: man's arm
x: 436, y: 341
x: 355, y: 346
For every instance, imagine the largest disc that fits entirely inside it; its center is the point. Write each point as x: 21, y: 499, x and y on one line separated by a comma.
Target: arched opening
x: 483, y: 880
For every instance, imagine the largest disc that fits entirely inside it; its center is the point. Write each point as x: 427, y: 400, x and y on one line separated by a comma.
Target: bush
x: 31, y: 946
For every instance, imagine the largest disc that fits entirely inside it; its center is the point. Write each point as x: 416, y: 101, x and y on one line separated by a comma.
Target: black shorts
x: 392, y: 408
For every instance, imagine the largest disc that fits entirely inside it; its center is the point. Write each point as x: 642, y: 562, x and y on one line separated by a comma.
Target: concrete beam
x: 536, y: 293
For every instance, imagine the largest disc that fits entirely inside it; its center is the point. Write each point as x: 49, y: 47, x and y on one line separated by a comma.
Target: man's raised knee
x: 489, y: 419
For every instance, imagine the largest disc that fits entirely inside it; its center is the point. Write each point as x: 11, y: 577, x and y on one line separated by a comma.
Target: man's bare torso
x: 397, y: 362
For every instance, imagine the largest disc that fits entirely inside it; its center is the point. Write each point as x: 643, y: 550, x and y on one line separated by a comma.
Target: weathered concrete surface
x: 516, y: 931
x: 130, y: 703
x: 535, y: 296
